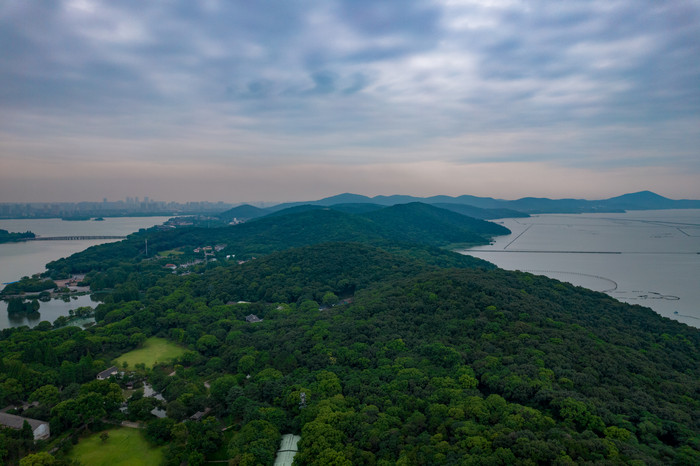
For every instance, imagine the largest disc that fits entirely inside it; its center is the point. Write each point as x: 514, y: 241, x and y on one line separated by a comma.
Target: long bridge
x: 72, y: 238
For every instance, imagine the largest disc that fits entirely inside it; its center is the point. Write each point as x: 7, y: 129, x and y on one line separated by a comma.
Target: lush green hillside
x: 426, y: 224
x: 405, y: 353
x: 357, y: 208
x: 484, y: 214
x: 247, y: 212
x: 252, y: 238
x: 242, y: 212
x: 311, y: 272
x: 643, y: 200
x: 294, y: 227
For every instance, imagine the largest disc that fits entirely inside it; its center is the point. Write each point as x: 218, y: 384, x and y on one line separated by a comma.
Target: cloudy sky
x: 297, y: 100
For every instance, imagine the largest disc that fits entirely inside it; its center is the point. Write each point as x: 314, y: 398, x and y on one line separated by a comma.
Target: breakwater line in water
x: 612, y: 282
x: 72, y: 238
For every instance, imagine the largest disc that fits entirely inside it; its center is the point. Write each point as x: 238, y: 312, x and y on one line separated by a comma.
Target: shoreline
x: 651, y: 262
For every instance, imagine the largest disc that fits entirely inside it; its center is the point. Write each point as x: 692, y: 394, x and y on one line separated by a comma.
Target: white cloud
x: 577, y: 85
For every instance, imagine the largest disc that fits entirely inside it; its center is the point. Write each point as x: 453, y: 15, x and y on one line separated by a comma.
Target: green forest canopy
x: 406, y: 353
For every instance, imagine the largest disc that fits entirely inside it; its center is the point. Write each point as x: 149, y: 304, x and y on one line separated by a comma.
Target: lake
x: 48, y: 311
x: 30, y: 257
x: 651, y: 258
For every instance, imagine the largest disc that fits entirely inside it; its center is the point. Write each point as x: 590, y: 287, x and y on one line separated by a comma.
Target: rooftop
x: 39, y: 428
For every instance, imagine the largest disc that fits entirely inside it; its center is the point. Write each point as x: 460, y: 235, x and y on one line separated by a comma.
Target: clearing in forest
x: 123, y: 447
x: 154, y: 350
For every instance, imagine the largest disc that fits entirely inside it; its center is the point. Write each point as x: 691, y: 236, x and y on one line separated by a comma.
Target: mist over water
x: 650, y: 258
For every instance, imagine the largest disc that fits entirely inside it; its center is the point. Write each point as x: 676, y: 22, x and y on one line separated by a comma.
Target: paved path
x: 133, y: 425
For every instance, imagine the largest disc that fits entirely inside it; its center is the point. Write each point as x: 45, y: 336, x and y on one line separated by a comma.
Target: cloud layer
x: 133, y: 94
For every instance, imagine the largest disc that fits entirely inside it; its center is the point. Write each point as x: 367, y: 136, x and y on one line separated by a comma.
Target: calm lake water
x: 30, y: 257
x: 649, y: 258
x: 48, y: 311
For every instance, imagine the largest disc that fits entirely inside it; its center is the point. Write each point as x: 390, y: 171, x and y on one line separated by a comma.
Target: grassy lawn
x: 172, y: 252
x: 154, y: 350
x: 124, y: 446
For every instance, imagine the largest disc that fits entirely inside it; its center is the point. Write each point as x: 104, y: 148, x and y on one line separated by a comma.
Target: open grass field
x: 154, y: 350
x: 172, y: 252
x: 124, y: 446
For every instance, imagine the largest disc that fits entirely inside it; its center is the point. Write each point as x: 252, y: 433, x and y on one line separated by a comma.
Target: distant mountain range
x: 478, y: 207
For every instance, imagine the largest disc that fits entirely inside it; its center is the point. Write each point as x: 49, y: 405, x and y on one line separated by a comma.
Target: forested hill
x: 423, y: 223
x: 364, y: 335
x: 400, y: 362
x: 247, y: 212
x: 414, y: 223
x: 489, y: 207
x: 311, y: 272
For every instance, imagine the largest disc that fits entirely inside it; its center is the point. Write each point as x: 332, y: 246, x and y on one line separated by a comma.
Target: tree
x: 47, y: 395
x: 27, y: 435
x: 327, y: 384
x: 16, y: 306
x: 220, y: 388
x: 208, y: 344
x: 176, y: 410
x: 39, y: 459
x: 85, y: 409
x: 246, y: 364
x: 137, y: 339
x: 140, y: 410
x: 329, y: 299
x: 158, y: 431
x: 308, y: 306
x: 332, y: 457
x: 111, y: 393
x: 257, y: 438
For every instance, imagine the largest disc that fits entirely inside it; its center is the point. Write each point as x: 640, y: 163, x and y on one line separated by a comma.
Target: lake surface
x: 30, y: 257
x: 48, y: 311
x: 649, y: 258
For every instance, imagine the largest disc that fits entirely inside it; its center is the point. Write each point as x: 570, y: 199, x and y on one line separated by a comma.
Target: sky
x: 283, y: 100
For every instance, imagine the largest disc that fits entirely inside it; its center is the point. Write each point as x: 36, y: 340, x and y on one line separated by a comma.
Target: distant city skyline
x: 289, y: 101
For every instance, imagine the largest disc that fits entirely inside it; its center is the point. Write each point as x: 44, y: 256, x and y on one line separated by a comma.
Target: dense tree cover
x: 14, y: 444
x: 466, y: 366
x: 308, y: 273
x: 19, y: 306
x: 242, y: 212
x: 427, y: 357
x: 7, y: 237
x: 484, y: 214
x: 247, y: 212
x: 417, y: 222
x: 412, y: 223
x: 28, y: 285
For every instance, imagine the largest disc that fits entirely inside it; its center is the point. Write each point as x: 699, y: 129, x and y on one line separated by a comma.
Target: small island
x: 7, y: 237
x: 19, y: 306
x: 28, y: 285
